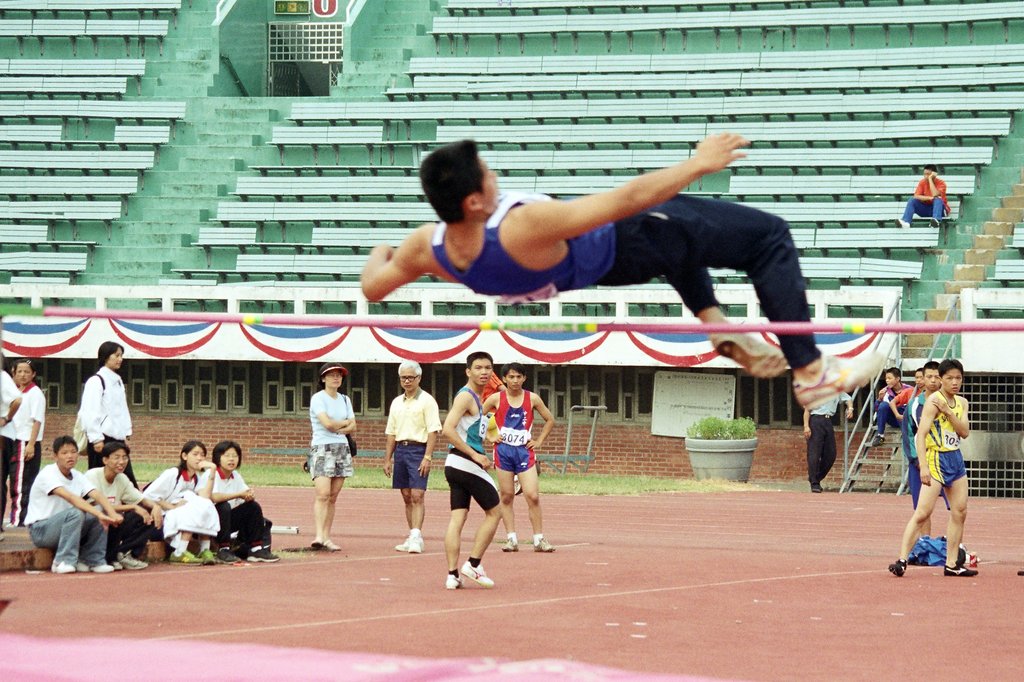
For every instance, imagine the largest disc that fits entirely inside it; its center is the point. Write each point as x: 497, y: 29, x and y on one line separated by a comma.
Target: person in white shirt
x: 143, y: 518
x: 10, y: 402
x: 104, y: 407
x: 23, y: 467
x: 60, y: 516
x: 187, y: 507
x: 240, y: 514
x: 330, y: 457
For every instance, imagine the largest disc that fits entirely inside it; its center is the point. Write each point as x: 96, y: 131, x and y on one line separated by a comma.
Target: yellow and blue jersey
x: 942, y: 436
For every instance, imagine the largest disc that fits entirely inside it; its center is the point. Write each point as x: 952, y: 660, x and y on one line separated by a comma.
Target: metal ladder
x: 879, y: 467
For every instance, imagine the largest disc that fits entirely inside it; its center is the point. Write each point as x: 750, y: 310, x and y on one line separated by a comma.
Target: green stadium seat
x: 73, y: 67
x: 34, y: 236
x: 625, y: 22
x: 409, y: 185
x: 105, y: 6
x: 815, y: 157
x: 120, y: 110
x: 211, y: 236
x: 322, y: 211
x: 716, y: 81
x: 92, y: 160
x: 356, y: 237
x: 646, y: 108
x: 83, y: 28
x: 774, y: 131
x: 846, y: 185
x: 849, y: 269
x: 36, y: 263
x: 300, y: 265
x: 1008, y: 270
x: 875, y: 238
x: 60, y: 210
x: 68, y: 185
x: 134, y: 134
x: 40, y: 279
x: 18, y: 134
x: 703, y: 62
x: 63, y: 85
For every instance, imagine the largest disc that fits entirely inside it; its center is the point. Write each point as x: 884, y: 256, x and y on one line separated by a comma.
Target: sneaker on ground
x: 186, y: 558
x: 82, y: 567
x: 543, y: 546
x: 900, y: 222
x: 262, y: 556
x: 415, y: 545
x: 404, y: 547
x: 477, y: 575
x: 898, y: 567
x: 452, y: 582
x: 959, y: 572
x: 118, y: 566
x: 839, y: 375
x: 63, y: 567
x: 225, y: 556
x: 207, y: 557
x: 510, y: 546
x: 760, y: 359
x: 131, y: 563
x: 102, y: 568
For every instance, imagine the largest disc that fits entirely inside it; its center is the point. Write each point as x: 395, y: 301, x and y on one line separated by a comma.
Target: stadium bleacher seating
x: 454, y: 27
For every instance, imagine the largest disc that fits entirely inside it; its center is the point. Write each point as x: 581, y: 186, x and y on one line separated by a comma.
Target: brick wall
x: 619, y: 449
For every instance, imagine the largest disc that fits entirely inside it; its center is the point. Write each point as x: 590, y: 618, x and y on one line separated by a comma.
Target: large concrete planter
x: 722, y: 459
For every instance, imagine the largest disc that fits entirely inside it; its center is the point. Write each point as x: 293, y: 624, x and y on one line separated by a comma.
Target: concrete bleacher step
x: 17, y: 553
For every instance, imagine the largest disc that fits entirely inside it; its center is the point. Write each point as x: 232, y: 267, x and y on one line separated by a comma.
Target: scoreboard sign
x: 291, y: 7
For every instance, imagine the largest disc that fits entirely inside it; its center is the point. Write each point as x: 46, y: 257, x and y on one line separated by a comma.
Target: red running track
x: 752, y: 585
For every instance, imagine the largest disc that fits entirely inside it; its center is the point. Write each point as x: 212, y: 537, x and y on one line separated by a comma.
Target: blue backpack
x: 929, y: 551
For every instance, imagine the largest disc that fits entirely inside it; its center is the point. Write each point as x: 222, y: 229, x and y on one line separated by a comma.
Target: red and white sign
x: 324, y: 8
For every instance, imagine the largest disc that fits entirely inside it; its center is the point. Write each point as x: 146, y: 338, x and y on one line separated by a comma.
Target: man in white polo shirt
x: 61, y: 518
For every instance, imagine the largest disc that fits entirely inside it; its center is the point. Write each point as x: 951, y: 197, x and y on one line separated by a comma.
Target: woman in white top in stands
x: 104, y: 407
x: 330, y: 460
x: 188, y: 507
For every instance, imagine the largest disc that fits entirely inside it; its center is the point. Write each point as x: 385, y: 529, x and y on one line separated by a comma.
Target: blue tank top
x: 494, y: 273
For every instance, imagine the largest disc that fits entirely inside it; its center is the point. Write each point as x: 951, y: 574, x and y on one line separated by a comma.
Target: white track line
x: 511, y: 604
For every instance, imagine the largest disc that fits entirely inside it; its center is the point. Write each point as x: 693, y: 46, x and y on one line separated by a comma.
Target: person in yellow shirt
x: 944, y: 422
x: 413, y: 424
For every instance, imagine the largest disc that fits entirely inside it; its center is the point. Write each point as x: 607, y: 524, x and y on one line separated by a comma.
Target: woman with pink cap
x: 330, y: 459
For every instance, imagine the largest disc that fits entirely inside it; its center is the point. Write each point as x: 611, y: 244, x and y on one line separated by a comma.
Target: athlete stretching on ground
x: 528, y: 247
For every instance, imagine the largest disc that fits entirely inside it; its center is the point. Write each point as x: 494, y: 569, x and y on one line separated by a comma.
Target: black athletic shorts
x: 465, y: 486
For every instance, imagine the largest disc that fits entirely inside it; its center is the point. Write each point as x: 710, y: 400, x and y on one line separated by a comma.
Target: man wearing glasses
x: 413, y: 424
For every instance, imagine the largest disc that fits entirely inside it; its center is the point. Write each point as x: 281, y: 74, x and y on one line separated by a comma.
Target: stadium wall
x: 620, y: 449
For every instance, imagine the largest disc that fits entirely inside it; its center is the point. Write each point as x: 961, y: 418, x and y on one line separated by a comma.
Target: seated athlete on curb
x: 529, y: 246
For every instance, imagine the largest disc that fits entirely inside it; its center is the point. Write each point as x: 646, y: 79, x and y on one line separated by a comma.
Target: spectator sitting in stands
x: 890, y: 412
x: 929, y: 199
x: 126, y: 544
x: 238, y: 509
x: 62, y: 519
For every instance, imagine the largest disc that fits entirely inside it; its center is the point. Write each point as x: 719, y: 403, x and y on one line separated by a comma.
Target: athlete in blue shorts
x: 514, y: 453
x: 944, y: 423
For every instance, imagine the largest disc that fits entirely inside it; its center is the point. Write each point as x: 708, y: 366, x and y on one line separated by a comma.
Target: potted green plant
x: 721, y: 448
